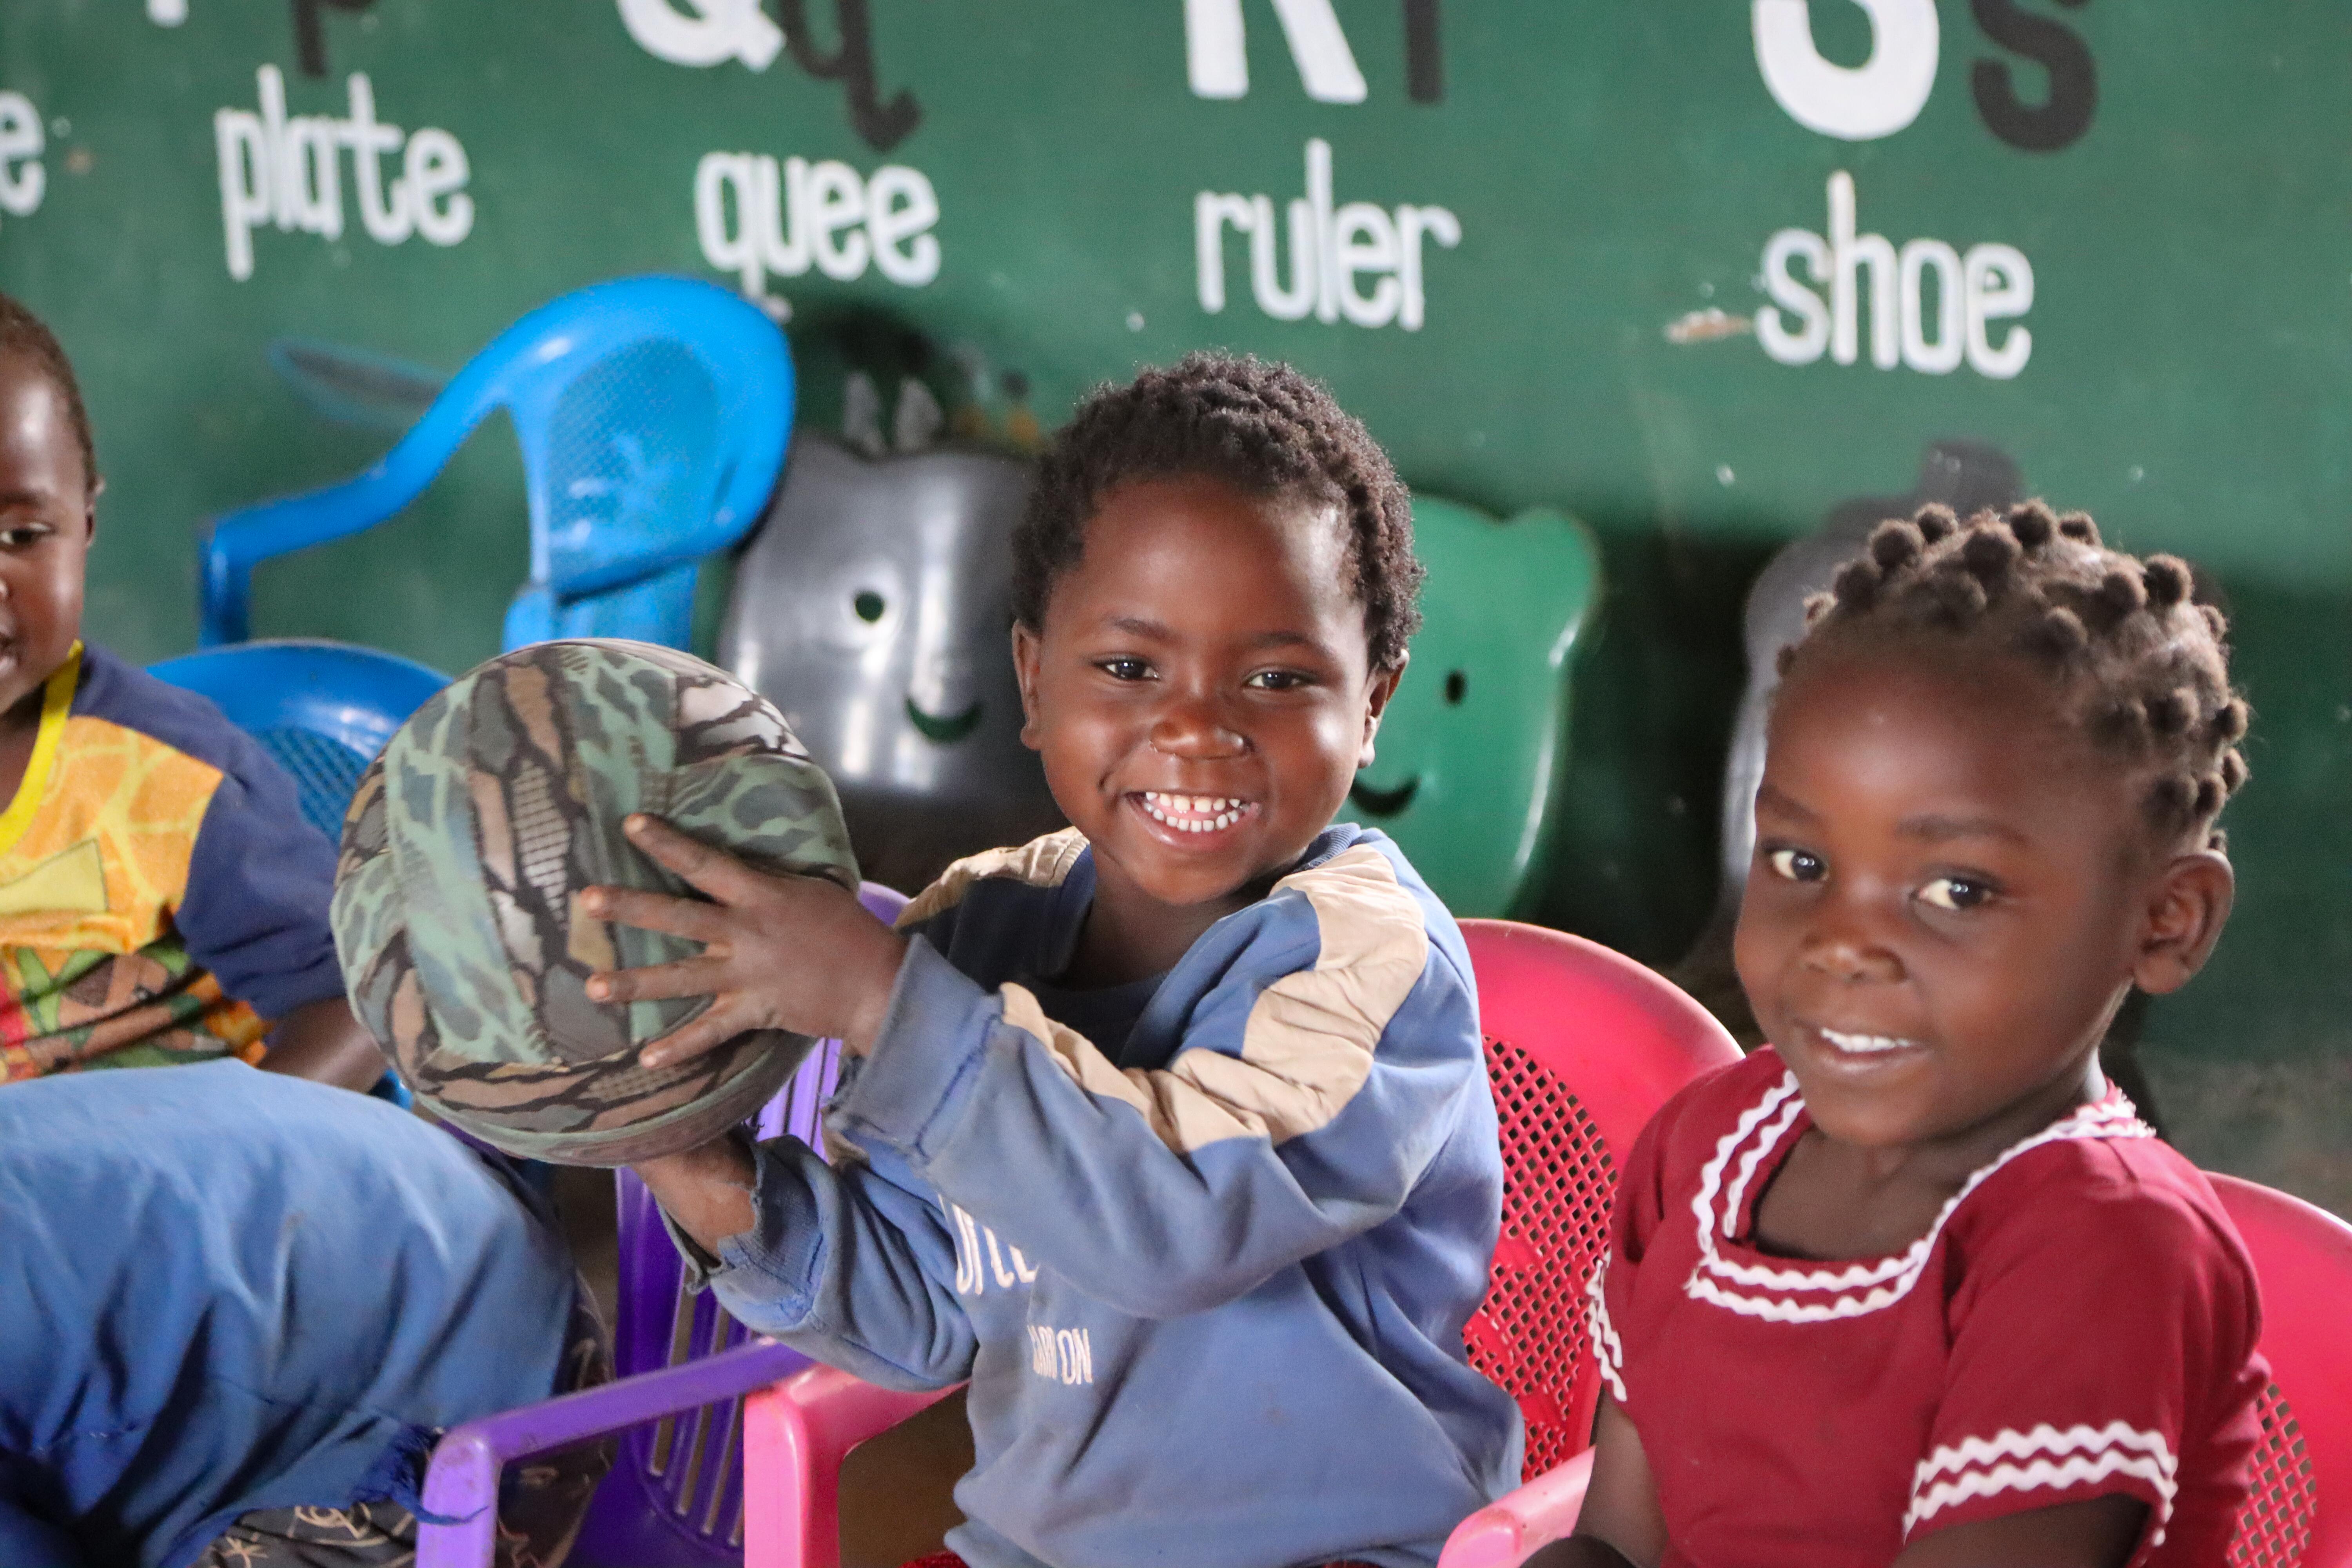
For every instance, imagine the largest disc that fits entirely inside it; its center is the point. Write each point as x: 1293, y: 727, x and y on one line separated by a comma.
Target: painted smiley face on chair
x: 874, y: 608
x: 1470, y: 754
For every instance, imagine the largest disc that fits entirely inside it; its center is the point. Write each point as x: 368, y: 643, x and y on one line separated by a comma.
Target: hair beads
x: 2136, y: 664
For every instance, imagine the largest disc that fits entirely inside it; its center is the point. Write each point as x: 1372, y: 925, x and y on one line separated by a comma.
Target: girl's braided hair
x: 2139, y: 666
x: 23, y: 332
x: 1262, y: 427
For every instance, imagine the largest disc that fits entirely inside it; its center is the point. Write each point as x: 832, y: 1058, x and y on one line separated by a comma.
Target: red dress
x: 2080, y: 1320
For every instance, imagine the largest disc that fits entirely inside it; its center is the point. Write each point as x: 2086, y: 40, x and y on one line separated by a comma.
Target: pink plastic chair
x: 2300, y: 1514
x: 1558, y: 1011
x: 1583, y: 1044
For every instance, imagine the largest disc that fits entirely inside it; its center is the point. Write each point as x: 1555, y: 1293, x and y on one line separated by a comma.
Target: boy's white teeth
x: 1864, y: 1045
x: 1192, y: 813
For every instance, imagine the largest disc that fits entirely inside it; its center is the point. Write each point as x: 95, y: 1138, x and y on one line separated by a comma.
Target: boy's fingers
x: 700, y: 1037
x: 660, y: 982
x: 688, y: 918
x: 714, y: 871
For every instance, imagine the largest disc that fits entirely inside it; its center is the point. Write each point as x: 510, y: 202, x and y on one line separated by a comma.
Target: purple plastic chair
x: 675, y: 1496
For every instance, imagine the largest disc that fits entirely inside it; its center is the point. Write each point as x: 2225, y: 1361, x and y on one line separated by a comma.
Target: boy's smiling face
x: 1200, y: 690
x: 46, y: 523
x: 1950, y: 893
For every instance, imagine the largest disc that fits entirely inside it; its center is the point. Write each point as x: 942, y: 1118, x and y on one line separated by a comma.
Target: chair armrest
x: 462, y: 1484
x: 233, y: 543
x: 796, y: 1435
x: 1506, y: 1532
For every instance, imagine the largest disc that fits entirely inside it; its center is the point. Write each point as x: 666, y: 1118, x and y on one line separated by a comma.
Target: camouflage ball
x: 466, y: 850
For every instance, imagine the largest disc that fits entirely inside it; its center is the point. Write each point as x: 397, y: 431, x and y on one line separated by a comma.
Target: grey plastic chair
x: 874, y: 607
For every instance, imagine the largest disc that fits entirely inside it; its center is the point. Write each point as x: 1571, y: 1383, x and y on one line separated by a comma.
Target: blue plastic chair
x: 321, y: 709
x: 653, y: 415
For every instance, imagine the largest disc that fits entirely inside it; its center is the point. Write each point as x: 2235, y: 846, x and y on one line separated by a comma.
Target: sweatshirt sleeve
x: 1312, y: 1085
x: 845, y: 1264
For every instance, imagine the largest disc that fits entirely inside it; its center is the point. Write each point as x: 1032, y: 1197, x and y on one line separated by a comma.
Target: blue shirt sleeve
x: 1324, y: 1053
x: 254, y: 913
x: 258, y: 886
x: 847, y: 1265
x: 1176, y: 1190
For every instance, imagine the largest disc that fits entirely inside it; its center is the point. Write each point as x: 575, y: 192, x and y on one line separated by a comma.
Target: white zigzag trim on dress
x: 1761, y: 1145
x: 1608, y: 1350
x: 2058, y: 1462
x: 1735, y: 1287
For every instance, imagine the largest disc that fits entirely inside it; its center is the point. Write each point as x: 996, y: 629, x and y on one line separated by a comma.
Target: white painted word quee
x: 756, y: 217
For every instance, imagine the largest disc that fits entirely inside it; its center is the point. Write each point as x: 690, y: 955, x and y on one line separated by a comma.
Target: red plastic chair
x: 2300, y: 1514
x: 1583, y: 1044
x: 1558, y: 1010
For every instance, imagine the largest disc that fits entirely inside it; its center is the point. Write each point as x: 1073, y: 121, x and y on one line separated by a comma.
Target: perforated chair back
x: 321, y: 709
x: 2300, y: 1512
x: 652, y: 414
x: 1583, y: 1044
x: 675, y: 1497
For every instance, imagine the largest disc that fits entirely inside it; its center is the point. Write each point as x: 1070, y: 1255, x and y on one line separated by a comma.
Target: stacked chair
x: 653, y: 415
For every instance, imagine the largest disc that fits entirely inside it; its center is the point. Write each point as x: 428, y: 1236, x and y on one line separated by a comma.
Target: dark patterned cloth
x: 542, y: 1501
x: 468, y: 844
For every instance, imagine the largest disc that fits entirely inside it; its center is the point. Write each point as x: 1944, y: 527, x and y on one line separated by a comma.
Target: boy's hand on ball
x: 797, y: 953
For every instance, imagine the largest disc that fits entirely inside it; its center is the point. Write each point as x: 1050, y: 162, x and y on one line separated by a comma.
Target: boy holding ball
x: 1171, y: 1132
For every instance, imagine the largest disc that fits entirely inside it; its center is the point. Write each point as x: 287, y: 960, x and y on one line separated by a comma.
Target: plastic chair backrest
x: 1583, y: 1044
x: 675, y: 1497
x: 653, y: 415
x: 1473, y: 749
x: 2300, y: 1512
x: 871, y: 606
x: 321, y: 709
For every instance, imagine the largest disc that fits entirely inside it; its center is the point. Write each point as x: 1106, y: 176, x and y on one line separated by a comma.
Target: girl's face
x: 46, y: 521
x: 1951, y: 893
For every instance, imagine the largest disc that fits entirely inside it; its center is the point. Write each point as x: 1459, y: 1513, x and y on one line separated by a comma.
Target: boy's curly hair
x: 1262, y: 427
x: 2134, y: 661
x: 22, y: 332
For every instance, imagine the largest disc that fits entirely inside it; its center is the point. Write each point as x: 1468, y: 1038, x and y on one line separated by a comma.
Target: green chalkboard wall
x: 1694, y: 273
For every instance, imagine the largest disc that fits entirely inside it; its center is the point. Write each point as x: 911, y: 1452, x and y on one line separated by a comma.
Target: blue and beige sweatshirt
x: 1203, y: 1247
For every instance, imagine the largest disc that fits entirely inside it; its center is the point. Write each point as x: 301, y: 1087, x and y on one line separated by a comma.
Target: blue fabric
x: 1237, y: 1354
x: 255, y: 913
x: 227, y: 1290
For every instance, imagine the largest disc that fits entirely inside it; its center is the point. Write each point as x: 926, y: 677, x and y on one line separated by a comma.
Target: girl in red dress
x: 1914, y: 1284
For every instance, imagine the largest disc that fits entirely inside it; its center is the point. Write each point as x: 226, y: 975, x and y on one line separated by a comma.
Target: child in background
x: 162, y: 899
x: 1171, y: 1131
x: 1912, y: 1284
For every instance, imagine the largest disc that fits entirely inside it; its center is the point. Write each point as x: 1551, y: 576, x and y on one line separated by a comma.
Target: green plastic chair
x: 1467, y: 768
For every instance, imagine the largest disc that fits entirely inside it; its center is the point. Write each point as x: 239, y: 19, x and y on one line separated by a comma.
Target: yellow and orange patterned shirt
x: 162, y: 898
